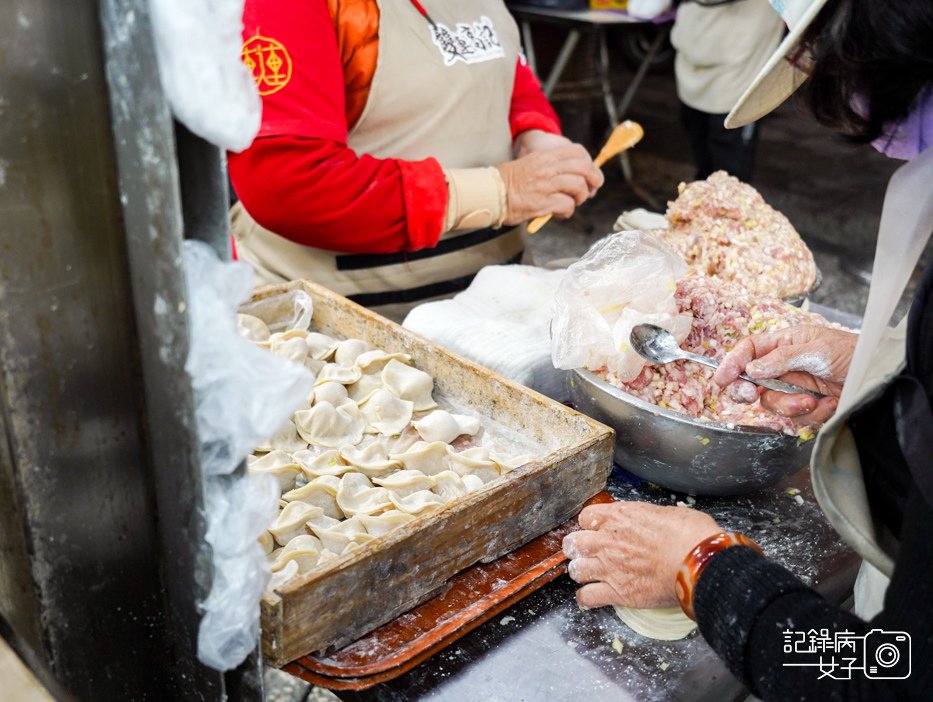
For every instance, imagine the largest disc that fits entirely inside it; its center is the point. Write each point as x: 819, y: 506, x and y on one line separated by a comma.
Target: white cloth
x: 502, y: 322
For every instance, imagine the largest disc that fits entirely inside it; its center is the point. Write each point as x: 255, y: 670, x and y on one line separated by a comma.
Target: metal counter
x: 546, y: 648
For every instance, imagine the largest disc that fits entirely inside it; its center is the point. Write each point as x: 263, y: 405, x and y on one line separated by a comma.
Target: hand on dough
x: 628, y: 553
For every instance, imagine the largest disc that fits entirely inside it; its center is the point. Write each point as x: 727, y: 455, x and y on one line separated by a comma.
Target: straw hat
x: 780, y: 77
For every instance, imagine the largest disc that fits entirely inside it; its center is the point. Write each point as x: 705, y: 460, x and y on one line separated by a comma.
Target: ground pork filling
x: 723, y: 314
x: 724, y: 228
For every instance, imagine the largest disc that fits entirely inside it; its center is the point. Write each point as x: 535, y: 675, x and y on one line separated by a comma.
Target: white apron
x: 431, y: 95
x: 906, y: 224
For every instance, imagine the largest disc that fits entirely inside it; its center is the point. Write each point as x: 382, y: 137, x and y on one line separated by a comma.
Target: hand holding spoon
x: 623, y: 137
x: 659, y: 346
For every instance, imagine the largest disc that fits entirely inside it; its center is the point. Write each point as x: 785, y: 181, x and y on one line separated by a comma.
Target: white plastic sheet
x: 242, y: 395
x: 210, y: 90
x: 502, y: 322
x: 625, y: 279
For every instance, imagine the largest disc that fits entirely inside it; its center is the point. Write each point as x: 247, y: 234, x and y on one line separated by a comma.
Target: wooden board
x: 472, y: 597
x: 326, y: 609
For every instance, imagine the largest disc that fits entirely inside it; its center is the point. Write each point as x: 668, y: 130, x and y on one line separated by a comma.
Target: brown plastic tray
x: 469, y: 599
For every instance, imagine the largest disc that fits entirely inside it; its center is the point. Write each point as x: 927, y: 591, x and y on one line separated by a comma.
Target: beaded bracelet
x: 696, y: 561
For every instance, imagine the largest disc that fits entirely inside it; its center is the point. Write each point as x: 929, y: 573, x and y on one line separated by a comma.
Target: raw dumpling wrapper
x: 320, y: 346
x: 377, y: 525
x: 358, y: 496
x: 387, y: 414
x: 335, y: 535
x: 365, y: 387
x: 267, y: 542
x: 252, y: 328
x: 430, y: 459
x: 372, y: 362
x: 441, y: 425
x: 330, y: 391
x: 472, y: 483
x: 285, y: 439
x: 279, y: 464
x: 320, y: 492
x: 449, y: 486
x: 291, y: 345
x: 326, y: 425
x: 371, y: 461
x: 474, y: 461
x: 327, y: 463
x: 405, y: 482
x: 338, y: 374
x: 664, y: 624
x: 417, y: 502
x: 303, y: 549
x: 348, y: 351
x: 280, y: 577
x: 410, y: 384
x: 291, y: 521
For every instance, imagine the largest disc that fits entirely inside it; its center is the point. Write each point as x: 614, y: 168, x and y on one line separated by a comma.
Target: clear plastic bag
x: 242, y: 395
x: 625, y: 279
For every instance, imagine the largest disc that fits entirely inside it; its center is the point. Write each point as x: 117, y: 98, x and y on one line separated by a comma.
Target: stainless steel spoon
x: 658, y: 345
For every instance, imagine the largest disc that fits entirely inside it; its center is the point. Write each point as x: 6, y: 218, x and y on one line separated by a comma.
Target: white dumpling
x: 348, y: 350
x: 372, y: 362
x: 371, y: 461
x: 510, y: 463
x: 279, y: 464
x: 280, y: 577
x: 380, y: 524
x: 338, y: 374
x: 449, y: 486
x: 252, y: 328
x: 472, y: 483
x: 336, y: 535
x: 327, y: 463
x: 267, y: 542
x: 291, y: 521
x: 314, y: 365
x: 365, y: 387
x: 441, y: 425
x: 405, y: 482
x: 320, y: 492
x: 304, y: 549
x: 285, y: 439
x: 387, y: 414
x: 429, y: 458
x: 417, y: 502
x: 290, y: 345
x: 409, y: 384
x: 474, y: 461
x: 327, y: 425
x: 330, y: 391
x: 357, y: 495
x: 320, y: 346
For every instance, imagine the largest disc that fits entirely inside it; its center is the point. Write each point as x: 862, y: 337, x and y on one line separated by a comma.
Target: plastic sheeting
x: 625, y: 279
x: 242, y: 395
x: 501, y: 322
x: 210, y: 90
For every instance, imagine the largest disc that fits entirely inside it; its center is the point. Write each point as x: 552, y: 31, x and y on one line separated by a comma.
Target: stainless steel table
x: 546, y: 648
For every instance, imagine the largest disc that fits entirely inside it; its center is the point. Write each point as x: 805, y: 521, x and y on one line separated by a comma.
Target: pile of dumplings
x: 370, y: 451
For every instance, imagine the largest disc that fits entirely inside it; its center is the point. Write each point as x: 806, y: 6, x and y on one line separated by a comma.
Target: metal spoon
x: 659, y: 346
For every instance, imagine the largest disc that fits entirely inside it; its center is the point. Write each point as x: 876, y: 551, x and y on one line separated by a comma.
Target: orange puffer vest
x: 357, y: 25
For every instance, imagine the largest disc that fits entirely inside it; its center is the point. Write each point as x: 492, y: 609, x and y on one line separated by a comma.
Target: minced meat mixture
x: 724, y: 228
x: 723, y: 314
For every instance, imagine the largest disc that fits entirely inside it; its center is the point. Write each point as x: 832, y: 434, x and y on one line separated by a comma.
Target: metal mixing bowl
x: 682, y: 454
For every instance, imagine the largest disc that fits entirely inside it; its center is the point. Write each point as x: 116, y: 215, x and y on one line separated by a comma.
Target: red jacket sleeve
x: 299, y: 178
x: 530, y: 109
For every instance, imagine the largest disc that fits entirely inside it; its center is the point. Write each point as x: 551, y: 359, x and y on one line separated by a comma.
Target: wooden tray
x: 472, y: 597
x: 327, y: 609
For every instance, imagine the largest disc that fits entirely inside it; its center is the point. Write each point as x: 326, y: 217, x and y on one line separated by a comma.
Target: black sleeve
x: 744, y: 604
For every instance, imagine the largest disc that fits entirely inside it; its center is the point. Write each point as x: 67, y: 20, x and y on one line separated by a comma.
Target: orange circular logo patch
x: 269, y: 62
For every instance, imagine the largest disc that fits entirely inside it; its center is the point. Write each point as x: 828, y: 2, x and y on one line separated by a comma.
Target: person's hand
x: 537, y: 140
x: 629, y: 553
x: 548, y: 181
x: 813, y: 357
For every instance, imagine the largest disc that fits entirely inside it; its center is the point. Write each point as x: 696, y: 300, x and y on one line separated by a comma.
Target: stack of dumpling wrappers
x: 370, y: 451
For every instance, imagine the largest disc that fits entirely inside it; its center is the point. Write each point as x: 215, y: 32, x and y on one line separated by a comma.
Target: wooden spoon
x: 623, y: 137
